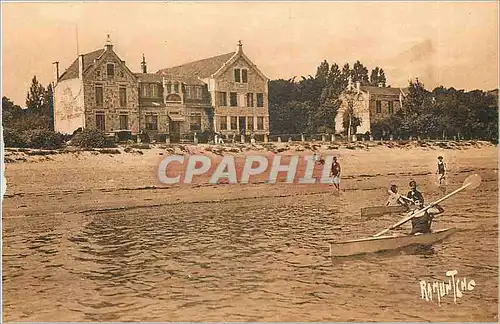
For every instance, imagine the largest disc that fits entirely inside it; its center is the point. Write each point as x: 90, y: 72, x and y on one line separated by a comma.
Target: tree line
x: 310, y: 105
x: 307, y: 106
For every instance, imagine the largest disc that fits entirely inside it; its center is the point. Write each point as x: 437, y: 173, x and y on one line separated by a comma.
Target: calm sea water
x: 247, y: 260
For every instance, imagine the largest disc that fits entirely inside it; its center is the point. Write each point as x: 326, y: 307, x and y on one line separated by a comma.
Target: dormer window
x: 110, y: 69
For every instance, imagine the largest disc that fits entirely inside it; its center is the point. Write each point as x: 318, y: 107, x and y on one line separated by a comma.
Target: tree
x: 322, y: 73
x: 11, y: 113
x: 36, y: 96
x: 48, y: 107
x: 322, y: 119
x: 374, y: 76
x: 359, y: 73
x: 377, y: 76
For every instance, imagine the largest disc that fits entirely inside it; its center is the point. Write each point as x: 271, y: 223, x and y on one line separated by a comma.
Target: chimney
x: 108, y: 45
x: 55, y: 69
x: 240, y: 47
x: 80, y: 67
x: 358, y: 84
x: 381, y: 84
x: 144, y: 67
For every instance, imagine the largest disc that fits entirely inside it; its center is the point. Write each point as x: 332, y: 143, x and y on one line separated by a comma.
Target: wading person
x: 422, y: 224
x: 441, y: 171
x: 414, y: 194
x: 335, y: 173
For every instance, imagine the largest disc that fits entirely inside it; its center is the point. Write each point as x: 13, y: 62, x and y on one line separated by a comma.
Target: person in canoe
x: 422, y: 224
x: 414, y: 194
x: 395, y: 199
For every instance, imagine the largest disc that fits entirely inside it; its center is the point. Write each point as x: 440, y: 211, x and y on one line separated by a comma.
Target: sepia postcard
x: 259, y: 161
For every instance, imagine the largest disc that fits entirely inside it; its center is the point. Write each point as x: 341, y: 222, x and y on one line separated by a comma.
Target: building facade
x: 227, y: 94
x: 370, y: 104
x: 96, y: 91
x: 233, y: 86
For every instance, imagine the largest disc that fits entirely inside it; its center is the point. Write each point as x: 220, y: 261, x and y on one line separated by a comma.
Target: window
x: 154, y: 90
x: 123, y: 122
x: 378, y: 106
x: 260, y: 100
x: 123, y: 97
x: 391, y: 107
x: 168, y: 87
x: 237, y: 76
x: 198, y: 92
x: 110, y: 69
x: 100, y: 121
x: 98, y: 73
x: 250, y: 122
x: 121, y: 74
x: 223, y: 122
x: 222, y: 99
x: 249, y: 99
x: 260, y: 123
x: 234, y: 122
x: 189, y: 93
x: 151, y: 122
x: 195, y: 123
x: 244, y: 76
x: 146, y: 90
x: 233, y: 99
x: 176, y: 87
x: 99, y: 97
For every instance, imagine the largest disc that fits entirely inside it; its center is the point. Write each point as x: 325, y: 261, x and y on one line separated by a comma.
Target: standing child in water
x: 335, y: 173
x: 441, y: 171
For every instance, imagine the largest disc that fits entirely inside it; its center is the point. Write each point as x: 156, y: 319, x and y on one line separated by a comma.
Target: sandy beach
x: 100, y: 227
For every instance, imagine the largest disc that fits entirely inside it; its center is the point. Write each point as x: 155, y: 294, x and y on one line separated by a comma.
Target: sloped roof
x: 381, y: 90
x: 88, y: 61
x: 202, y: 68
x: 187, y: 79
x: 148, y: 77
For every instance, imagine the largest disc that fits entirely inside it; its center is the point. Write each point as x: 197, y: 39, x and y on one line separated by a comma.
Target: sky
x: 441, y: 43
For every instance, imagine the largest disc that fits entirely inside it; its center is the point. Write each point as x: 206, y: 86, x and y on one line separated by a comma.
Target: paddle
x: 472, y: 182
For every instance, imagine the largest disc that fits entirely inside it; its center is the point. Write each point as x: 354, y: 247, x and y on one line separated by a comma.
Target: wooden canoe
x: 383, y: 243
x: 382, y: 210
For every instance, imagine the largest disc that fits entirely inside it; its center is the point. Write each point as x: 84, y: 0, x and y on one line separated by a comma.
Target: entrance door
x: 242, y: 125
x: 175, y: 131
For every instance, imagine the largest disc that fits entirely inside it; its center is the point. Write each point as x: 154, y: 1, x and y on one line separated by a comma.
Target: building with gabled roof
x: 370, y: 104
x: 225, y: 93
x: 97, y: 91
x: 236, y: 90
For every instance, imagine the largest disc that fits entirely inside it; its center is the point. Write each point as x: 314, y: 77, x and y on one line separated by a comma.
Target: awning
x: 177, y: 118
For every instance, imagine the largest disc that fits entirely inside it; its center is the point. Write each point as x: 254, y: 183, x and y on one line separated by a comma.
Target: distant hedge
x: 34, y: 138
x: 91, y: 138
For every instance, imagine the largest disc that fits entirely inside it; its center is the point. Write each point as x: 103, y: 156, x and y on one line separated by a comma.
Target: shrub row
x: 49, y: 140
